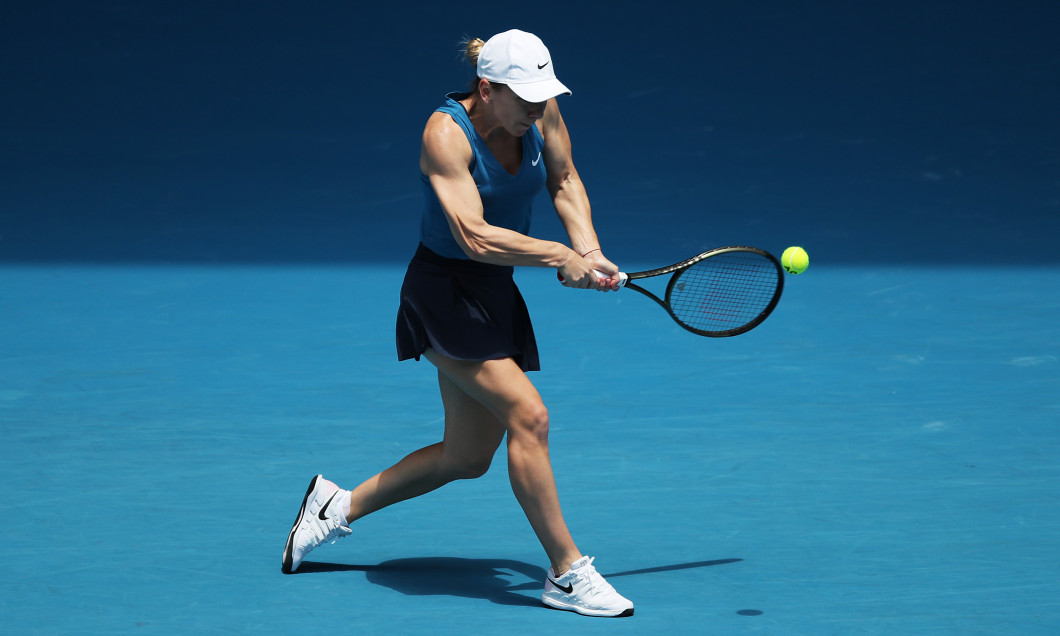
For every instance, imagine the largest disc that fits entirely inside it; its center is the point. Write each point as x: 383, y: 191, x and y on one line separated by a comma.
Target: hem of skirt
x: 519, y: 359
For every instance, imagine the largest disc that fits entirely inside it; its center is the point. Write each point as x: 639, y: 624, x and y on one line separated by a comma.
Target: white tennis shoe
x: 581, y: 589
x: 317, y: 523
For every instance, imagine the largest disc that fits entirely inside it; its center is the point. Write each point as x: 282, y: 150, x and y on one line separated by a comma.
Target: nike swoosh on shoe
x: 321, y: 515
x: 569, y: 589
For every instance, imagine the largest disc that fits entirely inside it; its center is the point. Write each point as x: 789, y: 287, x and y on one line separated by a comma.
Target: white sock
x: 343, y: 499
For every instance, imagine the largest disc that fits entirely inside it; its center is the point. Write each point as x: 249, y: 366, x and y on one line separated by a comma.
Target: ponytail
x: 472, y: 47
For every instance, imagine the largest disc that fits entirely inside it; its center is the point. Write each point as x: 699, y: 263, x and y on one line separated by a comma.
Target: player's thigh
x: 498, y: 385
x: 472, y: 431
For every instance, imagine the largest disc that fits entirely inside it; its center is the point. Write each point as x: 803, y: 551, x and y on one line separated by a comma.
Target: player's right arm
x: 445, y: 157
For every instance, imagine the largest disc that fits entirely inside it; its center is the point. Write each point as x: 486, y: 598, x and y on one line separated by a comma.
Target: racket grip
x: 622, y: 277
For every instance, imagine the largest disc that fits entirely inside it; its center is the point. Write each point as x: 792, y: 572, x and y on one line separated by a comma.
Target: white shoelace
x: 597, y: 584
x: 335, y: 530
x: 341, y: 531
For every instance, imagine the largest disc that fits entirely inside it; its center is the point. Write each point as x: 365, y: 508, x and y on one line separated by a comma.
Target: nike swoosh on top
x: 321, y: 514
x: 569, y: 589
x: 536, y: 161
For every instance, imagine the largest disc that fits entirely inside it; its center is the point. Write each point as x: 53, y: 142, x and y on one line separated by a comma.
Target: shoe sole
x: 288, y: 549
x: 588, y: 612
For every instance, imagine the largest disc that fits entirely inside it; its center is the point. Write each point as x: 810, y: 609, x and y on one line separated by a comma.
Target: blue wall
x: 266, y: 132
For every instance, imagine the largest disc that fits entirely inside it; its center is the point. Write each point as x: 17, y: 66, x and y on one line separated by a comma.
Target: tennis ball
x: 795, y: 260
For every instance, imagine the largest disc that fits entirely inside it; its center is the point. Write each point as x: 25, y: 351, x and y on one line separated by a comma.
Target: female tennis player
x: 485, y: 154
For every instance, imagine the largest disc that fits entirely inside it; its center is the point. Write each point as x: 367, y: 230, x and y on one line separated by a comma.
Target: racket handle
x: 622, y: 277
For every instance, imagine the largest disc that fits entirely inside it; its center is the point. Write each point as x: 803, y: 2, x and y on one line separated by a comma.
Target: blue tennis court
x: 205, y: 221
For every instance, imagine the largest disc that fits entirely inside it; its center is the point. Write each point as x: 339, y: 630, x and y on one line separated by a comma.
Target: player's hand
x: 599, y: 262
x: 592, y: 272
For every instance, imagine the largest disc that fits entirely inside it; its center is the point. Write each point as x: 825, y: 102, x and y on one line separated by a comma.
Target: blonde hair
x: 472, y: 47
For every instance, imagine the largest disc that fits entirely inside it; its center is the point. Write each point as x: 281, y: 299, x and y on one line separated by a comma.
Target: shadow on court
x: 488, y: 579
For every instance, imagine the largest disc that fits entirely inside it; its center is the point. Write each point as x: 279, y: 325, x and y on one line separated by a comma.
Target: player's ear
x: 485, y: 90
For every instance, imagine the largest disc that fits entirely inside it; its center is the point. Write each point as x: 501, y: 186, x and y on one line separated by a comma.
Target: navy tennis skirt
x: 464, y: 310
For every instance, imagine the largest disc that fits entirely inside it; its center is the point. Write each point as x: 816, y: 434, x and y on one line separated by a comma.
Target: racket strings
x: 724, y: 292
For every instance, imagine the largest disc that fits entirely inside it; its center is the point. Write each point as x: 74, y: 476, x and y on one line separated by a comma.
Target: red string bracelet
x: 590, y: 252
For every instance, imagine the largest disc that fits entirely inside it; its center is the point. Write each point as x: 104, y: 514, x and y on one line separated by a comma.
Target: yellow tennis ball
x: 795, y: 260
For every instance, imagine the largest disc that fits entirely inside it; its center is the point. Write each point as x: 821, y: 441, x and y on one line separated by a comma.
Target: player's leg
x: 472, y: 435
x: 503, y: 388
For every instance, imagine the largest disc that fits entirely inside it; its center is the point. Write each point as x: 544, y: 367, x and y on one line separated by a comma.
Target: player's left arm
x: 567, y: 190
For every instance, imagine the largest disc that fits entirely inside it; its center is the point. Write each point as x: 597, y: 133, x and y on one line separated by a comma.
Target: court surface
x: 205, y: 223
x: 870, y: 460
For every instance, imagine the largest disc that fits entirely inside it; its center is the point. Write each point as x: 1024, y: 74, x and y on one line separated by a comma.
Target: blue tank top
x: 506, y: 197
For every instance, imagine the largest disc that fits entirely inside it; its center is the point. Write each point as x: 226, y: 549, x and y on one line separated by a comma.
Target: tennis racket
x: 720, y: 293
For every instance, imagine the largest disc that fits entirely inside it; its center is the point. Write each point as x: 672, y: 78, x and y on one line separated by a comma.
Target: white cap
x: 520, y: 61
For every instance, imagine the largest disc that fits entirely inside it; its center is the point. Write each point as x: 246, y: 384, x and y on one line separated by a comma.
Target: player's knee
x: 475, y: 467
x: 468, y: 465
x: 531, y: 421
